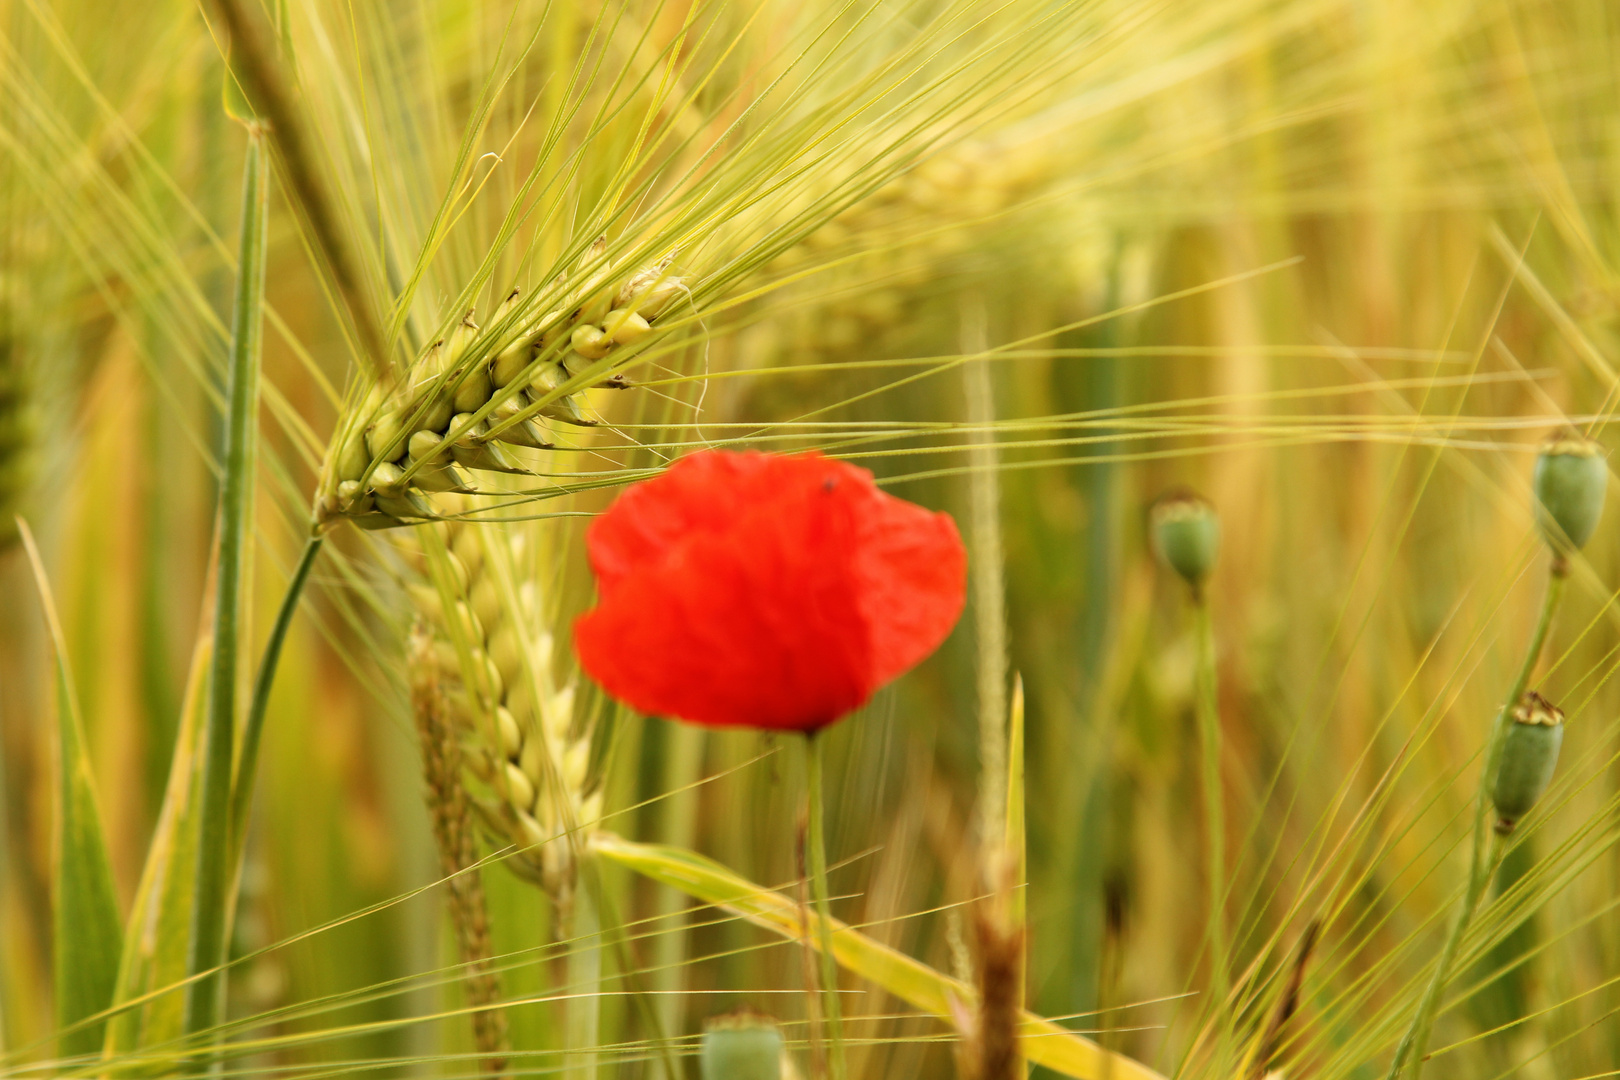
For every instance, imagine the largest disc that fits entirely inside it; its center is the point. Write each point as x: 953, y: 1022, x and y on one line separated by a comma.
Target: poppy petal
x: 912, y: 571
x: 698, y: 495
x: 757, y: 625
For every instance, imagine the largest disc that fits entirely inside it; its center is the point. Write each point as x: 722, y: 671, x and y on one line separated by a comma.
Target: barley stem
x: 583, y: 1010
x: 1209, y: 738
x: 247, y: 760
x: 818, y: 889
x: 1482, y: 862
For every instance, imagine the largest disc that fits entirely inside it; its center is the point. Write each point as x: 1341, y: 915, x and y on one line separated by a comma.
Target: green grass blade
x: 210, y: 910
x: 86, y: 929
x: 1044, y: 1042
x: 156, y: 947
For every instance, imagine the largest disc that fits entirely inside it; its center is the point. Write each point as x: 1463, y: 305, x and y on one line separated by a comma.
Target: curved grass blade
x: 247, y: 763
x: 85, y: 924
x: 211, y: 897
x: 155, y: 947
x: 1044, y: 1042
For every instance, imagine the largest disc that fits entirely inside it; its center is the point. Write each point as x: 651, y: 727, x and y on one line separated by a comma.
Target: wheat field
x: 326, y: 330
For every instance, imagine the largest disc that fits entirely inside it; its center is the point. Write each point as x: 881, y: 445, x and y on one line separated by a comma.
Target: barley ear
x: 452, y: 831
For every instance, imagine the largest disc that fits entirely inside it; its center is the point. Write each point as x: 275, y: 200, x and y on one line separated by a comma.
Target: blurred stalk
x: 999, y: 931
x: 987, y: 581
x: 251, y: 59
x: 1090, y: 385
x: 683, y: 763
x: 584, y: 1008
x: 211, y: 901
x: 1209, y: 742
x: 817, y: 844
x: 1504, y: 999
x: 1482, y: 861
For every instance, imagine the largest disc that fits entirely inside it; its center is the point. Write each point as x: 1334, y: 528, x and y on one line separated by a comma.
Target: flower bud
x: 1528, y: 757
x: 1570, y: 481
x: 741, y: 1046
x: 1186, y: 535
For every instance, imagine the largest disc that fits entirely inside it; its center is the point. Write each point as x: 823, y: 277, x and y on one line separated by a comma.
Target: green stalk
x: 211, y: 898
x: 818, y: 891
x: 583, y: 1010
x: 247, y: 761
x: 682, y: 753
x: 1209, y: 738
x: 1482, y: 862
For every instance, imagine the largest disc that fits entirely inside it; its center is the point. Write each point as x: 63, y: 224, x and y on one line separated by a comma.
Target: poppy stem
x: 1410, y: 1053
x: 1209, y: 737
x: 818, y: 890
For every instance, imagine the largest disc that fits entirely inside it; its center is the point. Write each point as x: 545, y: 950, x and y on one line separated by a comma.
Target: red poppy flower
x: 765, y: 590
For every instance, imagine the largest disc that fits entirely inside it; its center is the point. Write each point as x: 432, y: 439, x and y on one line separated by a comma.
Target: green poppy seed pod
x: 1570, y: 481
x: 1528, y: 757
x: 1186, y: 535
x: 741, y: 1046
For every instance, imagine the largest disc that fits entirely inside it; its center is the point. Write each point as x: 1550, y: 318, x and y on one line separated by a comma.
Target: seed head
x: 1570, y: 481
x: 1528, y: 757
x: 482, y: 387
x: 1186, y: 535
x: 741, y: 1046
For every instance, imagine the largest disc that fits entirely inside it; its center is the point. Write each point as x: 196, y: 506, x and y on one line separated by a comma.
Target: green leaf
x: 149, y: 1002
x: 86, y: 929
x: 1044, y: 1042
x: 211, y: 907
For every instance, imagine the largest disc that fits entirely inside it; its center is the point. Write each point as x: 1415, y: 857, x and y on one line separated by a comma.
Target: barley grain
x: 525, y: 765
x: 482, y: 389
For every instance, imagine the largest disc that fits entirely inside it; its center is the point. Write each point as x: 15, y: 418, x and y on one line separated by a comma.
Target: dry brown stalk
x: 452, y: 829
x: 1270, y: 1044
x: 1000, y: 970
x: 252, y: 61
